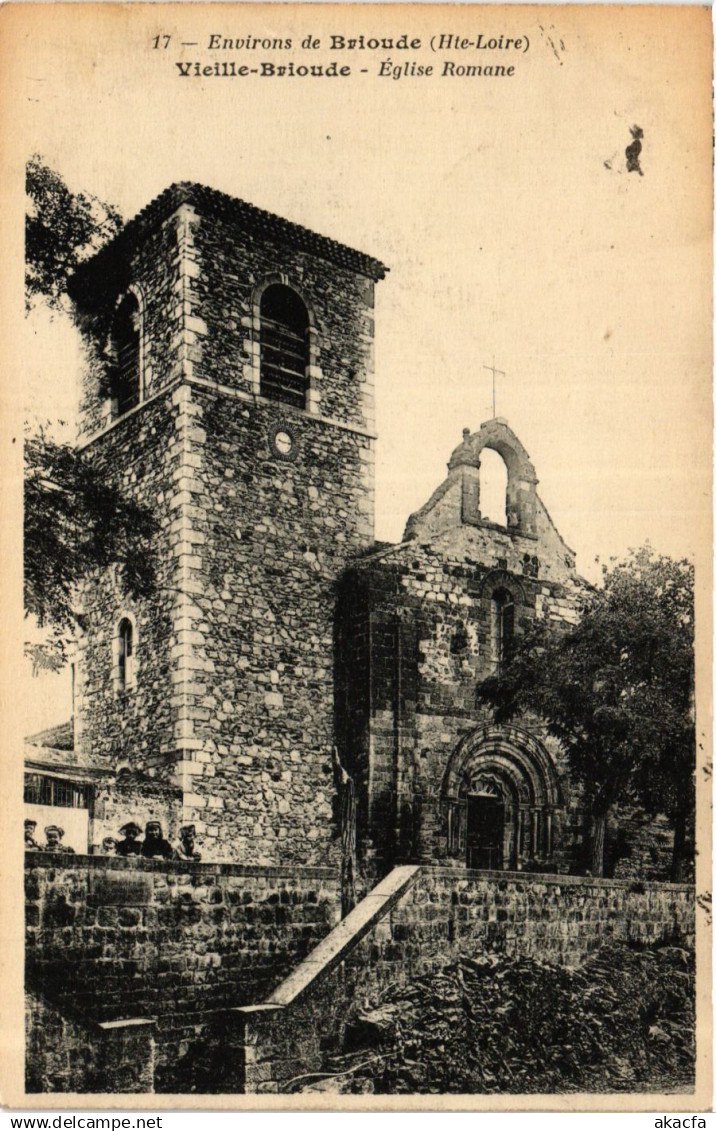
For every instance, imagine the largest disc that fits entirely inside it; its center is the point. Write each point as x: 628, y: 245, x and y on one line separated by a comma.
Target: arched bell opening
x: 506, y: 483
x: 493, y: 487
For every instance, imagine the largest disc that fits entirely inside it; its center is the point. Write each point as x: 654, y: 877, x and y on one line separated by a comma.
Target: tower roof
x: 211, y: 202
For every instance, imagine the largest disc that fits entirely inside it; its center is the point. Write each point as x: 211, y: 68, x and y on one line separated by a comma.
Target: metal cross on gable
x: 495, y: 373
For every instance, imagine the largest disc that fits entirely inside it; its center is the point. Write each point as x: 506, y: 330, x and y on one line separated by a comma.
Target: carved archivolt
x: 508, y: 755
x: 510, y: 765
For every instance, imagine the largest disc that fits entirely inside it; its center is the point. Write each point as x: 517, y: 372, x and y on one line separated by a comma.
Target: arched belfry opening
x: 497, y: 478
x: 501, y: 801
x: 493, y: 487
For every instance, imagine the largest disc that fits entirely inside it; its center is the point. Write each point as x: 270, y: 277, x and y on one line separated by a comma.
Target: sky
x: 503, y: 208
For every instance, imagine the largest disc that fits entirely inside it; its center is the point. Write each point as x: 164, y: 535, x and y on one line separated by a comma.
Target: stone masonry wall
x: 155, y: 268
x: 446, y: 589
x: 426, y: 607
x: 413, y: 642
x: 134, y: 727
x: 185, y: 947
x: 442, y: 915
x: 555, y: 918
x: 426, y: 612
x: 234, y: 655
x: 271, y: 537
x: 233, y: 264
x: 146, y: 452
x: 267, y: 538
x: 66, y: 1053
x: 108, y: 939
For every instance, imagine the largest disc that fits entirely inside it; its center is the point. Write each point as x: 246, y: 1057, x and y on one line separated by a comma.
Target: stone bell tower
x: 232, y: 392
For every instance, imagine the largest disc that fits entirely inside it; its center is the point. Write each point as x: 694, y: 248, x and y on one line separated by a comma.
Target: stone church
x: 231, y: 390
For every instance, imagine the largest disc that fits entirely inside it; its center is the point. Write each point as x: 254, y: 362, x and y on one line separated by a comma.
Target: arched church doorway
x: 485, y: 831
x: 487, y: 811
x: 501, y: 798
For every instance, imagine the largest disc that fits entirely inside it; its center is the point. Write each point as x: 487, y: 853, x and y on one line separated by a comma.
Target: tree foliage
x: 616, y: 689
x: 61, y: 229
x: 76, y: 523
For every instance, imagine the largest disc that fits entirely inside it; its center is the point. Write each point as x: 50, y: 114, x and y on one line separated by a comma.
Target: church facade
x: 419, y: 626
x: 230, y: 388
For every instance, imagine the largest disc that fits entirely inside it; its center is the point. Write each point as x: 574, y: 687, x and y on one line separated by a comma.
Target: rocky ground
x: 623, y: 1022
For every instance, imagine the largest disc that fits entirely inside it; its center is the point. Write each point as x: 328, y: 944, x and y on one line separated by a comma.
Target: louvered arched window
x: 125, y: 348
x: 284, y: 346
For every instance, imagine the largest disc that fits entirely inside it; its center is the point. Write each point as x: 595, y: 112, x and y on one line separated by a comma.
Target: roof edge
x: 212, y: 201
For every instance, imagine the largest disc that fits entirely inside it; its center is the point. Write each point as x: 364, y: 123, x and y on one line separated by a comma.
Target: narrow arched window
x: 284, y: 346
x: 502, y: 625
x: 125, y: 350
x: 125, y: 655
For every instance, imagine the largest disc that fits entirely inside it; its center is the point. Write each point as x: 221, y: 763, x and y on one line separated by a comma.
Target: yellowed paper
x: 482, y: 154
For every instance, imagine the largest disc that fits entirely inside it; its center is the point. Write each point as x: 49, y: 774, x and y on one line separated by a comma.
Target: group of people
x: 53, y: 839
x: 154, y: 843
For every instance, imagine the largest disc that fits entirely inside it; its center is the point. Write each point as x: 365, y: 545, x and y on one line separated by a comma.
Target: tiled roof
x: 211, y: 202
x: 59, y: 737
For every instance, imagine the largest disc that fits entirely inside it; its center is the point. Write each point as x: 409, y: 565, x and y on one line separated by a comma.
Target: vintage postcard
x: 358, y: 711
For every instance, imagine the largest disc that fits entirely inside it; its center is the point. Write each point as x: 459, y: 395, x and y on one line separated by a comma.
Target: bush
x: 624, y: 1021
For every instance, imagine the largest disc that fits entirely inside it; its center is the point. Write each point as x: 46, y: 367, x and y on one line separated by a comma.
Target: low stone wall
x: 440, y: 914
x: 109, y: 939
x: 230, y: 978
x: 555, y: 918
x: 70, y: 1054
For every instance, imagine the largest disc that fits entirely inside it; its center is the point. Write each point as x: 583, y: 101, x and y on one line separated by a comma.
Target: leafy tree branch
x: 616, y: 689
x: 61, y: 229
x: 76, y: 523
